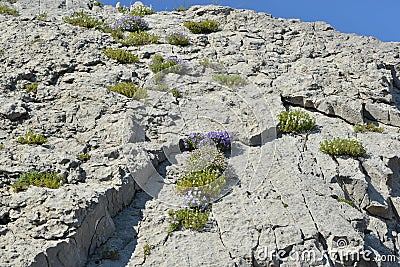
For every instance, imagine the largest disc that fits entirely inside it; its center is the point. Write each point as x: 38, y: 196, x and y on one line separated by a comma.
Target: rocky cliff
x: 288, y: 204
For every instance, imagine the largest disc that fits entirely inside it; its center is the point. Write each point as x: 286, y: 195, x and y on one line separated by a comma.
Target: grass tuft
x: 32, y: 138
x: 83, y: 19
x: 207, y: 26
x: 129, y: 90
x: 31, y: 88
x: 5, y: 10
x: 194, y: 219
x: 120, y: 55
x: 229, y: 80
x: 140, y: 38
x: 370, y: 127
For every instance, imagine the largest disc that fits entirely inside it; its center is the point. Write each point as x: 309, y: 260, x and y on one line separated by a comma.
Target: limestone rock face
x: 288, y: 204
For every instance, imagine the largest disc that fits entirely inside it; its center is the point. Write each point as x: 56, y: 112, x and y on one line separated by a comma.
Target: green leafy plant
x: 207, y: 26
x: 83, y: 19
x: 42, y: 179
x: 285, y: 205
x: 176, y: 93
x: 205, y: 62
x: 120, y: 55
x: 83, y: 157
x: 41, y: 16
x: 170, y: 64
x: 31, y: 88
x: 178, y: 39
x: 146, y: 251
x: 32, y: 138
x: 229, y: 80
x: 343, y: 147
x: 108, y: 253
x: 370, y: 127
x: 345, y: 201
x: 140, y: 38
x: 2, y: 146
x: 194, y: 219
x: 129, y: 90
x: 4, y: 9
x: 295, y: 121
x: 39, y: 40
x: 141, y: 11
x: 181, y: 9
x: 1, y: 52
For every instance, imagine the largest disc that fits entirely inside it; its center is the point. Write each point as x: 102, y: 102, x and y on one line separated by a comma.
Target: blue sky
x: 378, y: 18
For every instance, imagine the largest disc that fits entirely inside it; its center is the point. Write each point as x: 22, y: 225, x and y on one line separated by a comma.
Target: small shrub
x: 199, y: 179
x: 39, y: 40
x: 42, y: 179
x: 207, y: 26
x: 83, y: 157
x: 295, y: 122
x: 146, y: 251
x: 206, y: 158
x: 120, y: 55
x: 140, y: 38
x: 181, y: 9
x: 2, y: 146
x: 348, y: 202
x: 370, y: 127
x: 130, y: 24
x: 108, y: 253
x: 141, y: 10
x: 170, y: 64
x: 229, y: 80
x: 32, y: 88
x: 343, y: 147
x: 32, y: 138
x: 83, y: 19
x: 205, y: 62
x: 4, y: 9
x: 222, y: 140
x: 41, y: 17
x: 176, y: 93
x: 194, y: 219
x: 1, y: 52
x: 129, y: 90
x: 285, y: 205
x: 97, y: 3
x: 178, y: 39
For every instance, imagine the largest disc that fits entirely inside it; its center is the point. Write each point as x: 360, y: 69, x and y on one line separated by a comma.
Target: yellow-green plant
x: 229, y: 80
x: 83, y: 157
x: 343, y: 147
x: 207, y: 26
x: 295, y: 121
x: 32, y: 138
x: 83, y: 19
x: 4, y: 9
x: 178, y: 39
x: 129, y: 89
x: 348, y: 202
x: 194, y: 219
x: 120, y: 55
x: 146, y: 251
x: 141, y: 11
x: 32, y: 88
x: 140, y: 38
x: 42, y: 179
x: 370, y: 127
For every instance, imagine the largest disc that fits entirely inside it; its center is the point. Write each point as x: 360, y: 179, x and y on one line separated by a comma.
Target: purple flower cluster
x: 131, y: 24
x: 176, y: 59
x: 195, y: 198
x: 222, y: 140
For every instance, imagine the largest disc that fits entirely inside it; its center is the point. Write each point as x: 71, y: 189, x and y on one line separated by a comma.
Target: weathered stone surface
x: 285, y: 198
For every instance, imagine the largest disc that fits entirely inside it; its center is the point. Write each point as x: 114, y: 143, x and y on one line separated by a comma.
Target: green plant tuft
x: 171, y: 64
x: 83, y: 157
x: 4, y: 9
x: 120, y: 55
x: 108, y: 253
x: 181, y: 9
x: 346, y: 201
x: 32, y: 138
x: 41, y: 17
x: 140, y: 38
x: 295, y: 121
x: 31, y: 88
x: 229, y: 80
x: 129, y: 90
x: 207, y: 26
x: 178, y: 39
x: 2, y: 146
x: 42, y: 179
x: 1, y: 52
x: 146, y: 251
x: 141, y: 11
x: 370, y: 127
x: 82, y: 19
x: 194, y: 219
x: 343, y: 147
x: 97, y: 3
x: 176, y: 93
